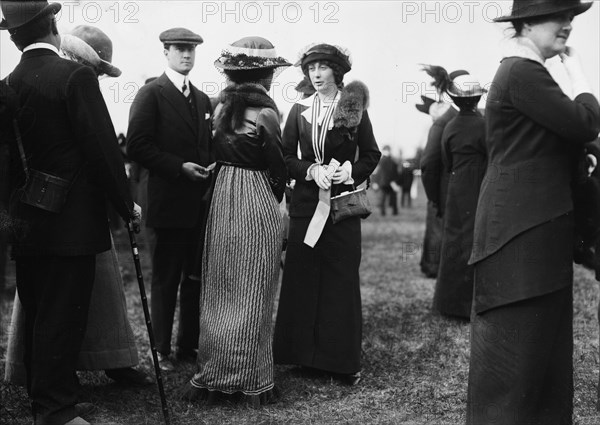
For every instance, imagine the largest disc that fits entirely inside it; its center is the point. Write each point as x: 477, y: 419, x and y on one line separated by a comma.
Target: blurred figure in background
x: 386, y: 177
x: 405, y: 181
x: 464, y: 158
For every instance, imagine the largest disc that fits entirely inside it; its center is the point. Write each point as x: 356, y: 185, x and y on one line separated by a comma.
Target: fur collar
x: 522, y: 47
x: 352, y: 101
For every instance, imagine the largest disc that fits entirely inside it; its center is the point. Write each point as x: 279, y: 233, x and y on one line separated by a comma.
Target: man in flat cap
x: 67, y: 136
x: 169, y: 134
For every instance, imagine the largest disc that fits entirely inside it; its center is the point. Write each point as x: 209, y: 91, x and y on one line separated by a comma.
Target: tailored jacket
x: 66, y: 131
x: 533, y: 134
x: 341, y: 143
x: 433, y: 174
x: 162, y: 135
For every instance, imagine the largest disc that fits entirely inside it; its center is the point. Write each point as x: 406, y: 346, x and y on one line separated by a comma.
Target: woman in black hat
x: 463, y: 155
x: 521, y: 369
x: 244, y: 232
x: 319, y: 320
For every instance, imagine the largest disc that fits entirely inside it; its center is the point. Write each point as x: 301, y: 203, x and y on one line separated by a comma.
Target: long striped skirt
x: 240, y: 267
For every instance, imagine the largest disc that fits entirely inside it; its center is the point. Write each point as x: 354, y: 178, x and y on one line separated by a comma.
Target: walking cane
x: 140, y: 279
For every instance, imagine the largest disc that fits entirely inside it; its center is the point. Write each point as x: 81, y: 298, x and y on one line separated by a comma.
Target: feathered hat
x: 458, y: 83
x: 250, y: 53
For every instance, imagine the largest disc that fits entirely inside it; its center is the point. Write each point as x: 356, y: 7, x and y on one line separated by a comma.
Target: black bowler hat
x: 180, y: 36
x: 19, y: 13
x: 328, y: 52
x: 523, y: 9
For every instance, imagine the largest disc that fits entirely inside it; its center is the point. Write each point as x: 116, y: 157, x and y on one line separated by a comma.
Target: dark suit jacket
x: 66, y: 127
x: 533, y: 133
x: 433, y: 174
x: 163, y: 135
x: 340, y: 144
x: 387, y: 172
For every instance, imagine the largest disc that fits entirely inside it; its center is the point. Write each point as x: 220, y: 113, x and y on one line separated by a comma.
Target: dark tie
x: 186, y: 91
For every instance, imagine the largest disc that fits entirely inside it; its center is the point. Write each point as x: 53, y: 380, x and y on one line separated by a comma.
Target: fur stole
x: 236, y: 98
x: 354, y: 100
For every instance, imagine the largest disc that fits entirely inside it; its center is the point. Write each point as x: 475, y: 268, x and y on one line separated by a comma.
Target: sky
x: 389, y: 40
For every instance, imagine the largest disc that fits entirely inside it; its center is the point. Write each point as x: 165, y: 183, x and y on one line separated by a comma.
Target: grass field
x: 415, y: 363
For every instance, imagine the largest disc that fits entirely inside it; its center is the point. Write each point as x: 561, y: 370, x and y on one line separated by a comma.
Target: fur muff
x: 353, y: 102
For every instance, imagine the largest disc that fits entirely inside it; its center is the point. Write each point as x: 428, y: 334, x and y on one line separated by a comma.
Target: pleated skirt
x: 240, y: 269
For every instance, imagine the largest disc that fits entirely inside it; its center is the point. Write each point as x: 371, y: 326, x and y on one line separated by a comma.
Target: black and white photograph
x: 300, y: 212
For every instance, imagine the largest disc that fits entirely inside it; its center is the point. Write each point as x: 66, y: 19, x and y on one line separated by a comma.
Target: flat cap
x: 180, y: 36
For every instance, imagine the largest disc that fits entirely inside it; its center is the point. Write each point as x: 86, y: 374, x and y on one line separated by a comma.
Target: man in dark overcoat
x: 386, y: 177
x: 67, y: 133
x: 169, y: 134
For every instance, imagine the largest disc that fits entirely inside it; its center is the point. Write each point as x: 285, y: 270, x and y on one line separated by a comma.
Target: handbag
x: 42, y: 190
x: 353, y: 203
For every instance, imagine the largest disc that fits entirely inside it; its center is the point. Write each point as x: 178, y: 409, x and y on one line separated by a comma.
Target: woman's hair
x: 466, y: 103
x: 233, y: 110
x: 519, y: 24
x: 32, y: 31
x: 338, y: 73
x: 262, y: 76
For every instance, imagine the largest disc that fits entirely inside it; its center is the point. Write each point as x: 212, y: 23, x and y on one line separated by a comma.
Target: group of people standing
x: 217, y: 175
x: 500, y: 188
x: 216, y: 178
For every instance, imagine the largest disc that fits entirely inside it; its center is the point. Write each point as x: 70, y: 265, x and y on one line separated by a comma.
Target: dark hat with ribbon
x: 327, y: 52
x: 250, y: 53
x: 523, y: 9
x: 18, y: 13
x: 98, y: 41
x: 424, y: 107
x: 180, y: 36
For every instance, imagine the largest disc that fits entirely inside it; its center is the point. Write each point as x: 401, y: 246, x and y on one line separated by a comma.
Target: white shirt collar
x: 524, y: 48
x: 176, y: 78
x: 41, y: 46
x: 307, y: 114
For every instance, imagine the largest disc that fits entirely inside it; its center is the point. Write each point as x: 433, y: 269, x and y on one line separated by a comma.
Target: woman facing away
x: 244, y: 233
x: 319, y: 318
x: 109, y: 343
x: 464, y: 159
x: 521, y: 365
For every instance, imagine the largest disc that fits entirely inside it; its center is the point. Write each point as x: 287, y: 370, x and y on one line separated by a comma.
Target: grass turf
x: 415, y: 363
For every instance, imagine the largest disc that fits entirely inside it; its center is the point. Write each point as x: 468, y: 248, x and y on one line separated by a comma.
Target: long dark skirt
x: 521, y: 367
x: 319, y: 320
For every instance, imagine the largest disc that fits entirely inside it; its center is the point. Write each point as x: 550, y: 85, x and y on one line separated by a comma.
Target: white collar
x: 41, y: 46
x: 176, y: 78
x: 524, y: 48
x: 307, y: 114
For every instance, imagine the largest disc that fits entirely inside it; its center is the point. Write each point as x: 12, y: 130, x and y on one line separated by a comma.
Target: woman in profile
x: 244, y: 233
x: 521, y: 364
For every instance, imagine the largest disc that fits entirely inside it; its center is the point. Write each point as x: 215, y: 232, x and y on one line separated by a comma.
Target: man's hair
x: 33, y: 31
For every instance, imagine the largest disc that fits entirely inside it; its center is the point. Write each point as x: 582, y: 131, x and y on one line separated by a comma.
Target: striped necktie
x: 186, y: 91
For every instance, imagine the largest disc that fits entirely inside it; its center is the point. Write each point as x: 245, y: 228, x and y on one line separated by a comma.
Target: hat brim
x: 239, y: 68
x: 318, y: 56
x: 109, y: 69
x: 577, y: 10
x: 51, y: 8
x: 476, y: 93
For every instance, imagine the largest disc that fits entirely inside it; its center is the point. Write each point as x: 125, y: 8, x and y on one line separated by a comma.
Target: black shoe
x: 351, y: 378
x: 164, y: 362
x: 129, y: 376
x: 186, y: 355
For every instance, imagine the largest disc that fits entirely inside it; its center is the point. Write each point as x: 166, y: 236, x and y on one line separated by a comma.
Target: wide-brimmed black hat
x: 250, y: 53
x: 523, y: 9
x: 18, y: 13
x: 327, y: 52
